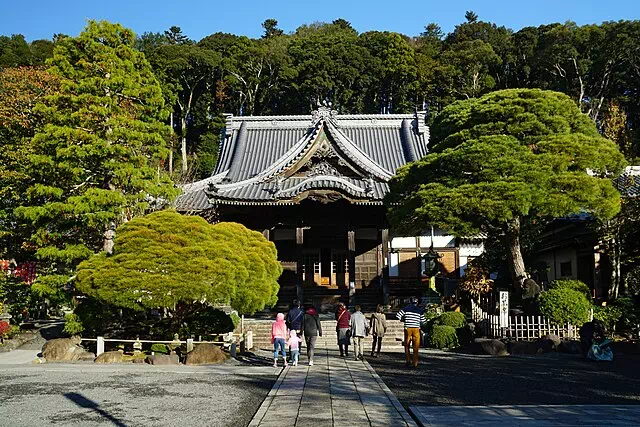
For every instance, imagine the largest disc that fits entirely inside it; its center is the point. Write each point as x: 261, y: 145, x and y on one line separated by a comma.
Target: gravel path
x: 550, y: 379
x: 81, y: 395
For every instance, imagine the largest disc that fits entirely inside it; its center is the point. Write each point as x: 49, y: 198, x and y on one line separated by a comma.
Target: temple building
x: 314, y: 185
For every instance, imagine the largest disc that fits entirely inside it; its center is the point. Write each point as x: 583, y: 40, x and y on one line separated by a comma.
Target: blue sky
x: 42, y: 18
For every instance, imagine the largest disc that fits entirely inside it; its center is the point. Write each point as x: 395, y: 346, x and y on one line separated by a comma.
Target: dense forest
x: 375, y: 72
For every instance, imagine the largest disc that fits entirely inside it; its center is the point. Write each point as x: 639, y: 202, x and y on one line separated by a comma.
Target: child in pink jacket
x: 294, y: 346
x: 278, y: 337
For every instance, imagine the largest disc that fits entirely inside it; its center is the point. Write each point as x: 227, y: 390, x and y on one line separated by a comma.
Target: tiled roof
x: 629, y: 182
x: 258, y: 157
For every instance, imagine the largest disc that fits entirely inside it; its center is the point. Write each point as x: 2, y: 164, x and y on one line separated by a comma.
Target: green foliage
x: 575, y: 285
x: 159, y: 348
x: 562, y: 305
x: 95, y: 158
x: 451, y: 318
x: 443, y: 337
x: 205, y: 321
x: 499, y: 160
x: 235, y: 319
x: 166, y: 258
x: 632, y: 280
x: 609, y: 315
x: 17, y: 296
x: 73, y: 325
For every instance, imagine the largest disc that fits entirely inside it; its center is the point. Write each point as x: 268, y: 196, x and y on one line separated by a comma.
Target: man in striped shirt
x: 413, y: 317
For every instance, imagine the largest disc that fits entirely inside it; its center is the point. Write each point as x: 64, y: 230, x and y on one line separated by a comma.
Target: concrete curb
x: 392, y: 397
x: 262, y: 410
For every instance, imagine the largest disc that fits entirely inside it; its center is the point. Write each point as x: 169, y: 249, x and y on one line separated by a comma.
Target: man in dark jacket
x: 312, y: 330
x: 294, y: 317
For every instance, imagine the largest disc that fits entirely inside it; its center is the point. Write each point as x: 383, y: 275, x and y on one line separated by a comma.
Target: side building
x: 314, y: 185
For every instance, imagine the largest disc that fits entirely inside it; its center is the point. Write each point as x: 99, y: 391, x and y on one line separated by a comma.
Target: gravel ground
x: 131, y: 395
x: 554, y: 379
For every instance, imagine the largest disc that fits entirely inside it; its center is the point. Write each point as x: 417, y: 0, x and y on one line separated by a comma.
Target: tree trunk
x: 514, y: 258
x: 183, y: 132
x: 171, y: 145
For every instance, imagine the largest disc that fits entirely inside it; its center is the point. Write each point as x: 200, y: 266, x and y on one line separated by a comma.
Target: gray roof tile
x: 253, y: 146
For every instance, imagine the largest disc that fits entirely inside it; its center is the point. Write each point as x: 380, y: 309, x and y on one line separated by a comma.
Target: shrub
x: 15, y: 330
x: 629, y: 314
x: 5, y: 328
x: 207, y: 320
x: 159, y: 349
x: 443, y: 337
x: 235, y: 319
x: 476, y: 280
x: 563, y: 305
x: 575, y: 285
x: 451, y: 318
x: 609, y: 316
x: 73, y: 324
x: 632, y: 280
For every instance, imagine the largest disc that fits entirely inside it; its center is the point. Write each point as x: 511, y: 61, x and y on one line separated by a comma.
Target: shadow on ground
x: 551, y: 379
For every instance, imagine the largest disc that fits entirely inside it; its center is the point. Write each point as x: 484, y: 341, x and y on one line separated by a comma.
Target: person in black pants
x: 312, y: 330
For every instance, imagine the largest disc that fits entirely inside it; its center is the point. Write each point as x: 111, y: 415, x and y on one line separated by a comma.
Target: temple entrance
x: 325, y: 267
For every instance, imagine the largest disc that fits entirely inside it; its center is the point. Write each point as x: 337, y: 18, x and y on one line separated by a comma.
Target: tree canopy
x: 166, y: 259
x: 504, y: 157
x: 96, y: 156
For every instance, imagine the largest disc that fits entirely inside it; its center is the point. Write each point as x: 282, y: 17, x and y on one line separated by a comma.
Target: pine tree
x: 504, y: 158
x: 174, y: 261
x: 97, y: 158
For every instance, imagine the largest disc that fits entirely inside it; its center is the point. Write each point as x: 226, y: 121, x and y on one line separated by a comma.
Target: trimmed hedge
x: 443, y: 337
x: 160, y: 348
x: 575, y: 285
x: 564, y: 305
x: 451, y: 318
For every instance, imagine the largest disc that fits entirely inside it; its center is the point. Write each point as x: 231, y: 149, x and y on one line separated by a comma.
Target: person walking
x: 343, y: 330
x: 278, y: 337
x: 359, y: 330
x: 413, y: 317
x: 294, y: 346
x: 312, y: 328
x: 377, y: 327
x: 294, y: 317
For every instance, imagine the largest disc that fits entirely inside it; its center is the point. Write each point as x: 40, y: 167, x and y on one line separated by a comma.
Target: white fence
x: 228, y: 341
x: 519, y: 328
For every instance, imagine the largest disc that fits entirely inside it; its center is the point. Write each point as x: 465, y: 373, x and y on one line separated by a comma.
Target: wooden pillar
x: 385, y: 266
x: 300, y: 262
x: 351, y: 259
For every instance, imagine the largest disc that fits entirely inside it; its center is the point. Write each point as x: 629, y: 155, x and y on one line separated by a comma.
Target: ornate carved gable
x: 324, y: 157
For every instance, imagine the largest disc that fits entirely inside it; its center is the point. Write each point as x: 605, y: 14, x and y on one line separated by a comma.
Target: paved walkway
x: 333, y: 392
x: 528, y: 415
x: 18, y: 357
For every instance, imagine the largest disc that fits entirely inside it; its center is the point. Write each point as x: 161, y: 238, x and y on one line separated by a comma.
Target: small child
x: 294, y: 346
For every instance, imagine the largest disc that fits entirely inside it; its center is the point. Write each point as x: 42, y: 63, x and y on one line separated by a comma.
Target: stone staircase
x: 262, y: 333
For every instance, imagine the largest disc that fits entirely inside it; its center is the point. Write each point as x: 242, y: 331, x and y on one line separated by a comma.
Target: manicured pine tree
x: 176, y: 262
x: 506, y: 157
x: 97, y: 159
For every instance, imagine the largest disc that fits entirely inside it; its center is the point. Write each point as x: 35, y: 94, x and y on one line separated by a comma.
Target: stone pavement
x: 528, y: 415
x: 335, y: 391
x: 18, y: 357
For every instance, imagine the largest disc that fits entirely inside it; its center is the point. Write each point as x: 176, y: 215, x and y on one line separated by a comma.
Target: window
x: 565, y: 269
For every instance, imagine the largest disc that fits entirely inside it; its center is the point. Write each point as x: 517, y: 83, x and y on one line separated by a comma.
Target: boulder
x: 110, y: 357
x: 206, y: 354
x: 570, y: 346
x: 490, y: 346
x: 523, y: 347
x: 548, y: 343
x: 62, y: 350
x: 163, y: 359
